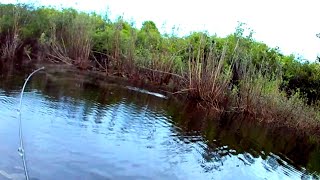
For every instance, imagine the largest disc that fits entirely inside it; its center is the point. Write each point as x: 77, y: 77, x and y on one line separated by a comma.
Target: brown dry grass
x: 12, y: 40
x: 262, y: 99
x: 74, y: 45
x: 208, y: 78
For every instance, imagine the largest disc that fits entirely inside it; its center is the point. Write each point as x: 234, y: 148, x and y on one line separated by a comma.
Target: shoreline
x: 101, y: 79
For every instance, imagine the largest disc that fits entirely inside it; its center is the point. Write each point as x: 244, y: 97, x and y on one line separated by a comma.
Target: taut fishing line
x: 21, y: 147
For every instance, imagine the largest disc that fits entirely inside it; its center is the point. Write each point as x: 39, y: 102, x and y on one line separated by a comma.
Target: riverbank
x: 306, y: 129
x: 218, y: 75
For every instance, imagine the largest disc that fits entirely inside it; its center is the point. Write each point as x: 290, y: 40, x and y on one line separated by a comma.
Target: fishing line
x: 21, y: 148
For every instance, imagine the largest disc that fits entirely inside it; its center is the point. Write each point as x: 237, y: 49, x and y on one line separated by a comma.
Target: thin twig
x: 163, y: 72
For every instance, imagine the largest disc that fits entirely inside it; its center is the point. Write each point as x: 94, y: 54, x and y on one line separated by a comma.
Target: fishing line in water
x: 21, y: 148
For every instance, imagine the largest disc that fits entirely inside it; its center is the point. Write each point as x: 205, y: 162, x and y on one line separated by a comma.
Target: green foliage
x: 303, y: 78
x: 148, y: 41
x: 120, y: 41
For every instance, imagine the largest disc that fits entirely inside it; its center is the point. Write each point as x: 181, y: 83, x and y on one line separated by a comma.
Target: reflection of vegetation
x: 233, y: 73
x: 243, y: 135
x: 230, y: 134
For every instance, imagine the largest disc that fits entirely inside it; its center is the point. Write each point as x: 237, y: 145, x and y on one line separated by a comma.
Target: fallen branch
x: 60, y: 59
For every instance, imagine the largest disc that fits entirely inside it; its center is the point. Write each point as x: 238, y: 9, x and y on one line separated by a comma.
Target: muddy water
x: 76, y: 127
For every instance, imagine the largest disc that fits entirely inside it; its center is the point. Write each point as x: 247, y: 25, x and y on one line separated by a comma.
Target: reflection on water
x: 74, y: 129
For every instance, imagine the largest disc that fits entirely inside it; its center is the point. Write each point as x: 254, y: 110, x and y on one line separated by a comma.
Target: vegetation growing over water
x: 233, y: 73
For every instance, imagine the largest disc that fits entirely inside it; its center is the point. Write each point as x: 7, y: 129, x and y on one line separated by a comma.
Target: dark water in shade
x: 75, y: 129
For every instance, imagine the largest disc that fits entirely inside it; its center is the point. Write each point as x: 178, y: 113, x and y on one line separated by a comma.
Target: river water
x: 78, y: 128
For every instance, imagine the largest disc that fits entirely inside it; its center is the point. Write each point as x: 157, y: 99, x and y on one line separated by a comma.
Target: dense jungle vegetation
x: 232, y: 73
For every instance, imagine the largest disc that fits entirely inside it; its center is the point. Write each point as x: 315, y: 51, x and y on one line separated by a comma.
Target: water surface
x: 76, y: 129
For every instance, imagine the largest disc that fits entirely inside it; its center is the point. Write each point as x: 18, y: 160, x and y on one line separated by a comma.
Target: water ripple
x: 123, y: 136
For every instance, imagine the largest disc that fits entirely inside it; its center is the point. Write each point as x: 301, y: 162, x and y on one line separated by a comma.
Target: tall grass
x: 10, y: 36
x: 259, y: 95
x: 70, y: 40
x: 209, y: 76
